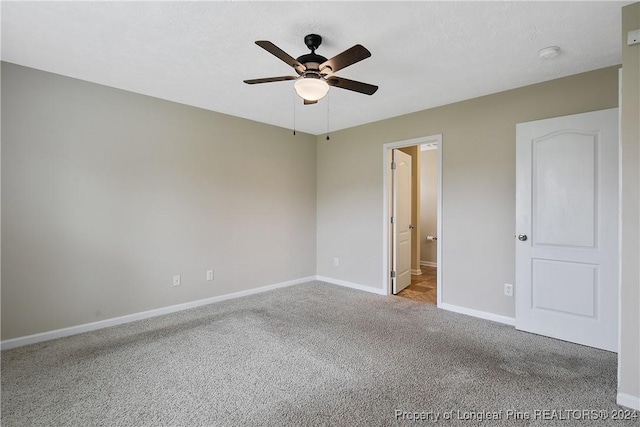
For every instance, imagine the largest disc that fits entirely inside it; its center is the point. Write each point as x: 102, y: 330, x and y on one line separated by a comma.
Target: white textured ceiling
x: 424, y: 54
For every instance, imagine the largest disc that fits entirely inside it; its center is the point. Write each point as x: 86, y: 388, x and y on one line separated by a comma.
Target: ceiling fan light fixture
x: 311, y: 88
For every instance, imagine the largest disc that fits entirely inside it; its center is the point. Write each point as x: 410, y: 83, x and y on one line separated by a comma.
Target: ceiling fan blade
x: 307, y: 102
x: 348, y: 57
x: 270, y: 79
x: 353, y: 85
x: 279, y: 53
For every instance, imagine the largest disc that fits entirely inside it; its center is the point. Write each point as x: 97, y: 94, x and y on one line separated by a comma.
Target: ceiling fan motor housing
x: 311, y: 61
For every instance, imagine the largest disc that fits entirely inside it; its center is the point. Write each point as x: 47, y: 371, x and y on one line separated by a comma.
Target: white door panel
x: 564, y: 287
x: 567, y: 206
x: 564, y: 193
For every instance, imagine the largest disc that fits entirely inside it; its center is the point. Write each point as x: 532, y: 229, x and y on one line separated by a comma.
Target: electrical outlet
x: 508, y: 289
x: 336, y: 260
x: 209, y: 275
x: 176, y: 280
x: 633, y: 37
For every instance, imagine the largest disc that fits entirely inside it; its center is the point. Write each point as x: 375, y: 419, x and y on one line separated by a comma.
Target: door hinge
x: 393, y: 165
x: 393, y: 220
x: 393, y: 274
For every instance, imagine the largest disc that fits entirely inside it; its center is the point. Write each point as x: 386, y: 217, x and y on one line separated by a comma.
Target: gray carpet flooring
x: 312, y: 354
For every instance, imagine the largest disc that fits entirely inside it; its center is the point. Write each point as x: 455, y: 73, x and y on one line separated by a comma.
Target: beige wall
x: 414, y: 152
x: 478, y: 186
x: 629, y: 355
x: 107, y: 194
x: 429, y: 204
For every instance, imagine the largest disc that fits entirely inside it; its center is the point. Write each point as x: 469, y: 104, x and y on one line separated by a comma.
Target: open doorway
x: 418, y: 256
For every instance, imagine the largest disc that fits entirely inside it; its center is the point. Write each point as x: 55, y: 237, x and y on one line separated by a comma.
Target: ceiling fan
x: 315, y: 72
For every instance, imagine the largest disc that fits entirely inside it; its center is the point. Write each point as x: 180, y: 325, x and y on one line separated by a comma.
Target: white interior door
x: 567, y: 228
x: 401, y: 217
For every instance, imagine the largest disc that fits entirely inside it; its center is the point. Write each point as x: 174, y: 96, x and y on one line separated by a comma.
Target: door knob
x: 411, y: 227
x: 522, y: 237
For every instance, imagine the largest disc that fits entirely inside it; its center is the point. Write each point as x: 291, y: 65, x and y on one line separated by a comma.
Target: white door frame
x: 386, y: 220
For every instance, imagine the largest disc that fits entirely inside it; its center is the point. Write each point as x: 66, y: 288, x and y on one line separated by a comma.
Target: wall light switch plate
x: 633, y: 37
x: 209, y: 275
x: 176, y: 280
x: 336, y: 260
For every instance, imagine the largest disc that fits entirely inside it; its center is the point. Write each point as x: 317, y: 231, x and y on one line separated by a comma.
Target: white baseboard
x: 73, y: 330
x: 629, y: 401
x: 417, y: 272
x: 477, y: 313
x: 428, y: 264
x: 352, y: 285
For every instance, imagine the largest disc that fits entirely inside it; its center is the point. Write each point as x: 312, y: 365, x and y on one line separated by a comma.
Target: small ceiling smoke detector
x: 549, y: 52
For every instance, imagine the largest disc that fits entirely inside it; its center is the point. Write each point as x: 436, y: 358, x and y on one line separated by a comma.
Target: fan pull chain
x: 294, y: 113
x: 327, y: 116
